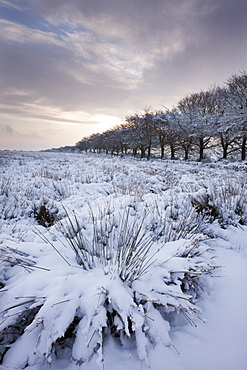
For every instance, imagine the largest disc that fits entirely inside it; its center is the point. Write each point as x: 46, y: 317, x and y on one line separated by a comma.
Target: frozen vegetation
x: 118, y: 263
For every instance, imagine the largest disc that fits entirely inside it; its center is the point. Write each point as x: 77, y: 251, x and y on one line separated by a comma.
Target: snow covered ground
x: 182, y: 305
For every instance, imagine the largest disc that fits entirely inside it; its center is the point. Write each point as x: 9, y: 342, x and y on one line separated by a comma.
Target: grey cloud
x: 145, y: 21
x: 6, y: 129
x: 111, y: 56
x: 56, y: 76
x: 160, y: 29
x: 140, y: 23
x: 8, y: 132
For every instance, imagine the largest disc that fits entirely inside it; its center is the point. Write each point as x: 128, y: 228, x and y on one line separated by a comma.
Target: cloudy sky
x: 69, y: 68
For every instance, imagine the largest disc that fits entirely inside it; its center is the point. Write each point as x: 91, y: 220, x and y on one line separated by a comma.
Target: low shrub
x: 124, y: 285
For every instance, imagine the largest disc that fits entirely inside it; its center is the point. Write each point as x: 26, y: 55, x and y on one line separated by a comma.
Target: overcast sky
x: 69, y: 68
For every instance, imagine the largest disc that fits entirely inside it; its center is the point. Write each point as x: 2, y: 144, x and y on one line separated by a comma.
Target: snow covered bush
x: 174, y: 218
x: 120, y: 242
x: 225, y: 201
x: 129, y: 288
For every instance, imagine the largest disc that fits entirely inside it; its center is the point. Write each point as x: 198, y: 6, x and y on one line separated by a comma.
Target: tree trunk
x: 186, y: 154
x: 162, y: 146
x: 172, y: 151
x: 143, y: 152
x: 243, y: 148
x: 162, y: 151
x: 201, y: 147
x: 224, y: 145
x: 225, y: 152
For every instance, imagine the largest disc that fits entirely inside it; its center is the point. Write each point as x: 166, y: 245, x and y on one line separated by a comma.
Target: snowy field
x: 116, y: 263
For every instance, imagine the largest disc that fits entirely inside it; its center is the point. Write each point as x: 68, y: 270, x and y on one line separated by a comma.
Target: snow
x: 157, y: 195
x: 220, y: 343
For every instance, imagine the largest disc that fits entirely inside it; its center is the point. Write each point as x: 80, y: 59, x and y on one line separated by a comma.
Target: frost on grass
x: 127, y: 288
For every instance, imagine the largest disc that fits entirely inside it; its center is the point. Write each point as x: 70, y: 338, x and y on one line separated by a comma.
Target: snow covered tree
x: 112, y: 141
x: 167, y: 132
x: 226, y: 128
x: 182, y: 130
x: 197, y: 111
x: 237, y: 99
x: 143, y: 129
x: 96, y: 142
x: 161, y: 127
x: 83, y: 144
x: 130, y: 135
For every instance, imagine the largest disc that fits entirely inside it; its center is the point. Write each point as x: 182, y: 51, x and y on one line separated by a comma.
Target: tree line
x: 213, y: 118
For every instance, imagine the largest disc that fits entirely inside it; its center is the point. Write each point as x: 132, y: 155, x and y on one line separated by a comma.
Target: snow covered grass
x: 99, y: 252
x: 64, y: 308
x: 225, y: 200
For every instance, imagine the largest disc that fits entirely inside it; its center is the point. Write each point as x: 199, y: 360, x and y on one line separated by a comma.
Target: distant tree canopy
x: 213, y: 118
